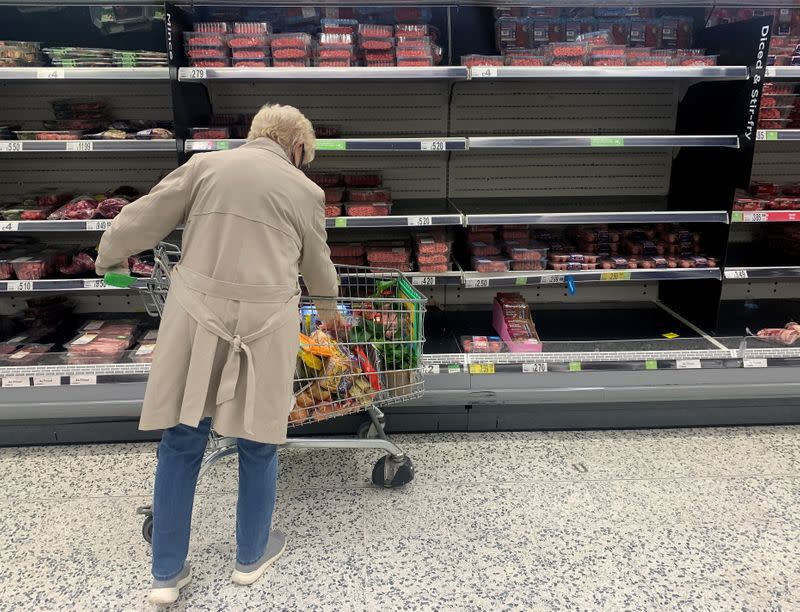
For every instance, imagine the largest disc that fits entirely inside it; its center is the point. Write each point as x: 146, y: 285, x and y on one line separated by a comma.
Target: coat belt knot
x: 236, y: 343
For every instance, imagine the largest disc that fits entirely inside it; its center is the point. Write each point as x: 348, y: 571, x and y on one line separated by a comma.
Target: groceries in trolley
x: 371, y: 356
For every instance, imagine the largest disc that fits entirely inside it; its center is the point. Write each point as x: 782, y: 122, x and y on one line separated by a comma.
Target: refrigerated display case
x: 484, y: 150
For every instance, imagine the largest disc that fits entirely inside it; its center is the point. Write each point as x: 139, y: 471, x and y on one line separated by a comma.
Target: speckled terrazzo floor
x: 698, y: 519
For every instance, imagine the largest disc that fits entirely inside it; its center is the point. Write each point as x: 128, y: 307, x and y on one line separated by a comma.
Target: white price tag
x: 94, y: 283
x: 98, y: 225
x: 204, y: 145
x: 51, y: 380
x: 754, y: 363
x: 11, y: 146
x: 83, y: 379
x: 735, y: 273
x: 16, y: 381
x: 9, y: 226
x: 423, y: 280
x: 483, y: 72
x: 769, y: 72
x: 50, y: 73
x: 430, y: 369
x: 534, y: 368
x: 755, y: 217
x: 25, y: 285
x: 688, y: 364
x: 198, y: 73
x: 433, y: 145
x: 476, y: 283
x: 552, y: 279
x: 761, y: 134
x: 80, y: 145
x: 420, y: 220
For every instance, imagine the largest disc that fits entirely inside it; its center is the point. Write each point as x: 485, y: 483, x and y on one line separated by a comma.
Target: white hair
x: 285, y: 125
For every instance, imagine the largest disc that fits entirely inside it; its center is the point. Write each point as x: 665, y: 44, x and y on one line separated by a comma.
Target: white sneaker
x: 166, y: 592
x: 248, y: 574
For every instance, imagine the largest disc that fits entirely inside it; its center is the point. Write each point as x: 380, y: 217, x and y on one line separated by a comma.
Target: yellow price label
x: 481, y: 368
x: 671, y: 335
x: 615, y: 276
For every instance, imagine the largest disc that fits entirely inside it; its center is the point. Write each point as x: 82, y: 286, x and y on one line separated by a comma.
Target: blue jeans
x: 179, y: 456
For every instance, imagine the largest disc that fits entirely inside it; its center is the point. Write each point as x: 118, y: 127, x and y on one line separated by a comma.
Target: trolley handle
x: 123, y: 281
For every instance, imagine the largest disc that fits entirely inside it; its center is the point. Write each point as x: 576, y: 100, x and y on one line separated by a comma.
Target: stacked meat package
x: 354, y: 194
x: 432, y: 251
x: 504, y: 248
x: 769, y: 196
x: 221, y: 44
x: 143, y: 353
x: 394, y: 254
x: 780, y: 106
x: 349, y: 254
x: 101, y: 342
x: 39, y: 321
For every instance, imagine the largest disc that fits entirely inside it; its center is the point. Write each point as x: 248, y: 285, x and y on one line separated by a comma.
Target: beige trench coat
x: 228, y: 340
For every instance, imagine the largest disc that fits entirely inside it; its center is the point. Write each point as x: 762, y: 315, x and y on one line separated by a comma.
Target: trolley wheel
x: 390, y: 473
x: 147, y: 529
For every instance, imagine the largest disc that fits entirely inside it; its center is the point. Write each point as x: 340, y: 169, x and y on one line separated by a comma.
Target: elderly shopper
x: 229, y: 335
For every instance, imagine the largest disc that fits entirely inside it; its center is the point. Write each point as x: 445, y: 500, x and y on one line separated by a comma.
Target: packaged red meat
x: 388, y: 252
x: 80, y: 208
x: 291, y: 56
x: 694, y: 262
x: 252, y: 27
x: 527, y: 253
x: 478, y: 248
x: 482, y: 60
x: 435, y: 268
x: 34, y: 214
x: 339, y: 26
x: 480, y: 236
x: 650, y: 61
x: 427, y: 244
x: 141, y: 265
x: 144, y: 353
x: 82, y: 263
x: 511, y: 233
x: 335, y: 53
x: 371, y: 30
x: 526, y: 60
x: 31, y: 268
x: 247, y: 41
x: 483, y: 344
x: 333, y: 195
x: 323, y: 63
x: 792, y: 189
x: 52, y: 199
x: 348, y: 261
x: 209, y: 63
x: 567, y: 50
x: 784, y: 204
x: 412, y: 30
x: 705, y: 60
x: 433, y: 259
x: 762, y: 188
x: 111, y: 327
x: 297, y: 40
x: 204, y: 39
x: 347, y: 249
x: 27, y: 354
x: 250, y: 54
x: 529, y: 266
x: 333, y: 210
x: 608, y: 60
x: 209, y: 133
x: 781, y: 335
x: 207, y: 53
x: 369, y: 195
x: 570, y: 265
x: 362, y: 180
x: 49, y: 134
x: 490, y: 264
x: 414, y: 62
x: 333, y: 40
x: 212, y: 26
x: 653, y: 262
x: 111, y: 207
x: 368, y: 209
x: 595, y: 39
x: 325, y: 179
x: 614, y: 263
x: 251, y: 63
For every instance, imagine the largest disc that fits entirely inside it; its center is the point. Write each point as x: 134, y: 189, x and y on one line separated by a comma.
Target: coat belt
x: 210, y: 329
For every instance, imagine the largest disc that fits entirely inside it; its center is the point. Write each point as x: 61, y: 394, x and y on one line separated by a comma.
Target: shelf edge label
x: 50, y: 73
x: 735, y: 274
x: 331, y: 145
x: 615, y: 276
x: 423, y: 281
x: 9, y: 226
x: 83, y: 146
x: 575, y: 366
x: 431, y: 144
x: 16, y: 381
x: 50, y: 380
x: 476, y: 283
x: 83, y: 379
x: 606, y: 141
x: 24, y: 285
x: 754, y: 363
x: 688, y: 364
x: 483, y: 72
x: 539, y: 367
x: 481, y: 368
x: 11, y: 146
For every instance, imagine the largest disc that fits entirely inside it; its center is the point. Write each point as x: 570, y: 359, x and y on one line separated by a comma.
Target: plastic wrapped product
x: 433, y: 259
x: 412, y: 30
x: 490, y: 264
x: 329, y: 63
x: 144, y: 353
x: 561, y: 51
x: 141, y: 265
x: 475, y: 60
x: 82, y: 263
x: 390, y: 253
x: 336, y: 53
x: 431, y: 245
x: 31, y: 268
x: 706, y: 60
x: 653, y: 262
x: 209, y: 133
x: 212, y: 26
x: 297, y: 40
x: 614, y: 263
x: 478, y: 248
x: 362, y: 180
x: 369, y: 195
x: 251, y: 63
x: 333, y: 195
x: 250, y: 54
x: 347, y: 249
x: 368, y: 209
x: 204, y: 39
x: 526, y: 60
x: 111, y: 327
x: 570, y: 265
x: 207, y: 53
x: 111, y: 207
x: 371, y: 31
x: 209, y: 63
x: 527, y: 254
x: 339, y: 26
x: 26, y: 355
x: 435, y: 268
x: 597, y: 38
x: 80, y: 208
x: 509, y: 233
x: 650, y: 61
x: 333, y: 210
x: 285, y: 55
x: 609, y: 50
x: 52, y: 199
x: 483, y: 344
x: 529, y: 266
x: 244, y: 41
x: 608, y: 60
x: 348, y: 261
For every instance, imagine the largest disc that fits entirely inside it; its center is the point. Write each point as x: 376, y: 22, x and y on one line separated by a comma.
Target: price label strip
x: 51, y: 380
x: 11, y: 146
x: 476, y: 283
x: 423, y: 281
x: 534, y: 368
x: 198, y: 73
x: 25, y: 285
x: 9, y: 226
x: 16, y: 381
x: 84, y: 146
x: 483, y: 72
x: 688, y: 364
x: 754, y: 363
x: 733, y: 274
x: 94, y: 283
x: 615, y: 276
x: 83, y: 379
x: 420, y: 220
x: 98, y: 225
x: 50, y: 73
x: 552, y: 279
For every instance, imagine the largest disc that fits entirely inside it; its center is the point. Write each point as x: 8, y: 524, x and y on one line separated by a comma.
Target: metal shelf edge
x: 86, y: 146
x: 53, y: 73
x: 317, y: 74
x: 599, y: 217
x: 603, y: 142
x: 700, y: 73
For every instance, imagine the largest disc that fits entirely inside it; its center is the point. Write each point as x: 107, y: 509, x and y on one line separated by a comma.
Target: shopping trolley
x: 371, y: 359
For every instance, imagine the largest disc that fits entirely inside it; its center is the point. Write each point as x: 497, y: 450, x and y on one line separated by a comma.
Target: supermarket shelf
x: 762, y: 272
x: 426, y: 145
x: 537, y: 142
x: 405, y: 213
x: 474, y: 280
x: 578, y: 211
x: 453, y: 73
x: 437, y: 3
x: 766, y: 216
x: 783, y: 72
x: 58, y: 284
x: 778, y: 135
x: 85, y: 146
x: 84, y: 74
x: 695, y: 73
x: 422, y: 279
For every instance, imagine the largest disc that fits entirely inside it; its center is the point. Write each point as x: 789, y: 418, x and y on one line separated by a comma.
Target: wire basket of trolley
x: 371, y: 359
